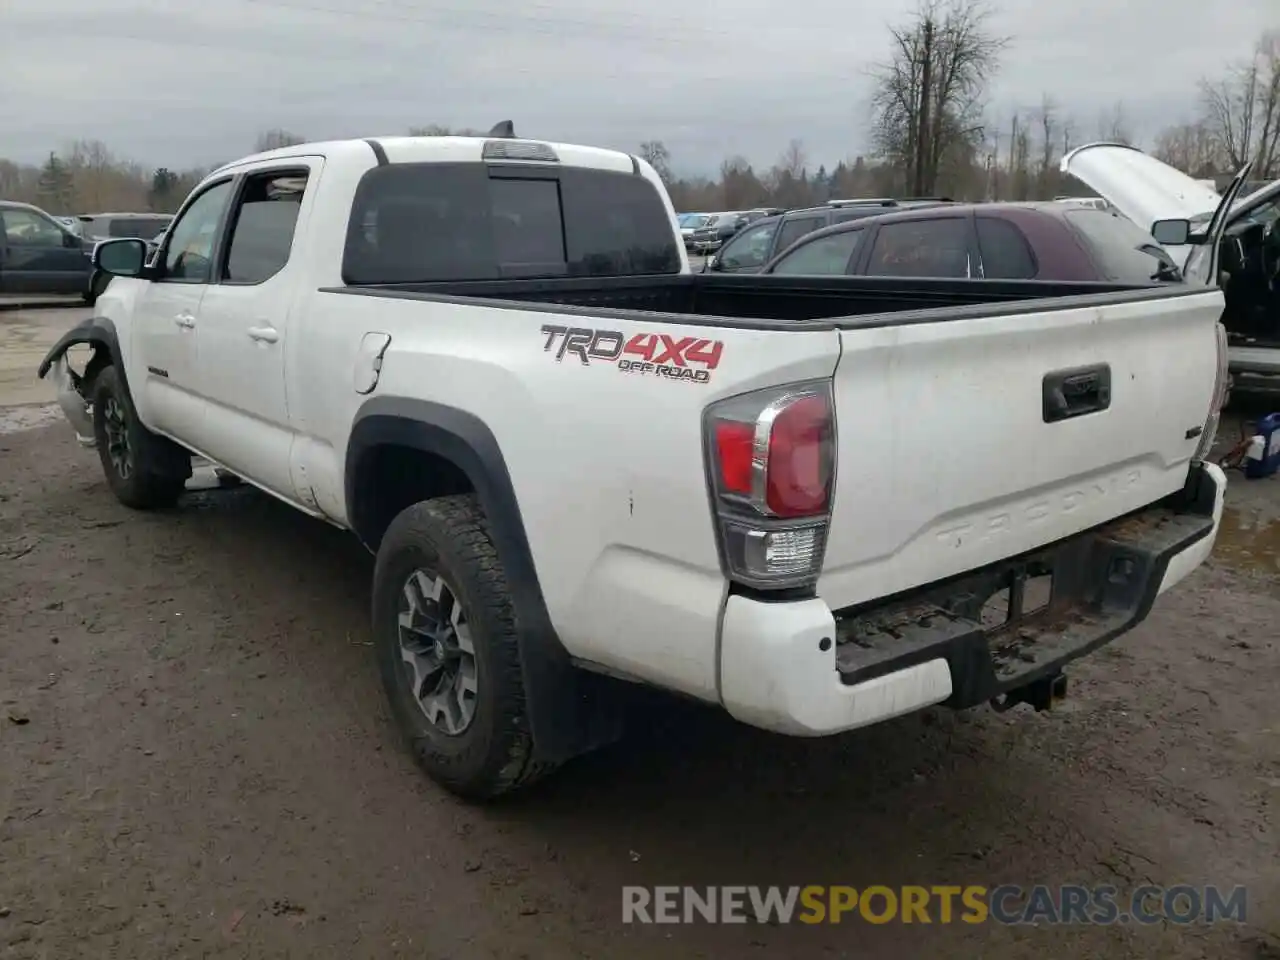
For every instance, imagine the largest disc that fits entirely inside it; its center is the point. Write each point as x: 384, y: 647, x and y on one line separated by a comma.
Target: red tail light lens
x: 771, y: 462
x: 734, y: 442
x: 800, y: 459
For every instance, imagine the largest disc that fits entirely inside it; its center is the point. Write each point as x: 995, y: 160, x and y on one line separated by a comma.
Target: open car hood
x: 1138, y: 185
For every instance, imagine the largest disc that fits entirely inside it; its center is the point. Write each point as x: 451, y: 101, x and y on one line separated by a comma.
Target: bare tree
x: 794, y: 160
x: 1242, y: 109
x: 275, y: 139
x: 655, y: 153
x: 1047, y: 173
x: 1114, y: 126
x: 788, y: 179
x: 928, y: 99
x: 1192, y: 148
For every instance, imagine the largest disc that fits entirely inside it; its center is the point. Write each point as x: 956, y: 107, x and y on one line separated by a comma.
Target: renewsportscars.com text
x: 972, y: 904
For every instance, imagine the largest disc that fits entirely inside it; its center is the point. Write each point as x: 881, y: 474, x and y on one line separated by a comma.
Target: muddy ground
x: 195, y: 761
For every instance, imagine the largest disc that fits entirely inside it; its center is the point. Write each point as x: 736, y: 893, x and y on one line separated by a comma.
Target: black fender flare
x: 98, y: 331
x: 563, y: 719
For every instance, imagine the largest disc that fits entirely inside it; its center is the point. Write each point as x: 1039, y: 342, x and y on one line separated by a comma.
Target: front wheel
x: 132, y: 456
x: 445, y: 637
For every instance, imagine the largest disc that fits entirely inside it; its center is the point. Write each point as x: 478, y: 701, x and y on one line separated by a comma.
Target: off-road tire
x: 494, y: 754
x: 154, y: 478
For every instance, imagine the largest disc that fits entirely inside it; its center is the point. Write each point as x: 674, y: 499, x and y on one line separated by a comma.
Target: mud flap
x: 74, y: 406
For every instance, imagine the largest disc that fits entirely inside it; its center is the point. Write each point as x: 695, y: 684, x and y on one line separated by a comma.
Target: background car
x: 752, y: 247
x: 40, y: 255
x: 689, y: 222
x: 718, y: 228
x: 992, y: 241
x: 115, y: 226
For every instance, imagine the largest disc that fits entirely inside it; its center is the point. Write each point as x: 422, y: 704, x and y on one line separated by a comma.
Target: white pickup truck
x: 817, y: 502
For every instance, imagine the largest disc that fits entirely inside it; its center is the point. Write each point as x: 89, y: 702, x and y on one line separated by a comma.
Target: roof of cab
x: 433, y: 149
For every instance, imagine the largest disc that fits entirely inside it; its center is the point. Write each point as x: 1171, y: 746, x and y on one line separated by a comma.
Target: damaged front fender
x: 99, y: 332
x: 72, y: 388
x: 75, y: 406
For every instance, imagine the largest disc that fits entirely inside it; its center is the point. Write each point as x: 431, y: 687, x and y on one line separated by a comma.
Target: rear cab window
x: 1120, y: 249
x: 438, y: 222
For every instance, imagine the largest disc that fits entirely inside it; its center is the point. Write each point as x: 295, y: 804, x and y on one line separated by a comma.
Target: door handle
x: 185, y: 320
x: 264, y: 334
x: 1075, y: 392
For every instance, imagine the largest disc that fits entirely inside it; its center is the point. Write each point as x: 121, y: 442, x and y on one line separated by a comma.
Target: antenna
x: 505, y: 129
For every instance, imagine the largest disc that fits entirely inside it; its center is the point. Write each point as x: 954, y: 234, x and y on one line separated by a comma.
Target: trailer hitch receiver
x: 1041, y: 694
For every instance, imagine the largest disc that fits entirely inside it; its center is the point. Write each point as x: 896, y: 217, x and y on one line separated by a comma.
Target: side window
x: 1006, y: 255
x: 187, y: 259
x: 826, y: 256
x: 748, y: 249
x: 921, y: 248
x: 793, y: 230
x: 263, y: 225
x: 22, y: 228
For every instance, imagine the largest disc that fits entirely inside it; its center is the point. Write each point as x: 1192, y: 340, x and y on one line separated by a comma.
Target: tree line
x: 932, y: 134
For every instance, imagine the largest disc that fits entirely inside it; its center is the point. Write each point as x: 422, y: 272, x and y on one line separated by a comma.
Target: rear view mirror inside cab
x: 1172, y: 233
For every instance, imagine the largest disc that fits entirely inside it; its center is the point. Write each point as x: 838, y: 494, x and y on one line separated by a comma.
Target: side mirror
x: 121, y: 258
x: 1173, y: 233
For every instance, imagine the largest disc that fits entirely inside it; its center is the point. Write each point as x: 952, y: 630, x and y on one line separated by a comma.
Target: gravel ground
x: 195, y: 761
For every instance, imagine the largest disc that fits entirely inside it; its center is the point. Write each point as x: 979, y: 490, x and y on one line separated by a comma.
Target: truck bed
x: 770, y: 300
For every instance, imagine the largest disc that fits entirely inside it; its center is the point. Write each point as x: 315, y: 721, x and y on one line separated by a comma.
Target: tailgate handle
x: 1076, y: 392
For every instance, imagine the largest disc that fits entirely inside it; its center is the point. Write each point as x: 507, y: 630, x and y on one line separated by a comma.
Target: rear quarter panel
x: 607, y: 465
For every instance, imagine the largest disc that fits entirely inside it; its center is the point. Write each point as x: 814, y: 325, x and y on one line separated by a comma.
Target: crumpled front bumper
x: 74, y: 406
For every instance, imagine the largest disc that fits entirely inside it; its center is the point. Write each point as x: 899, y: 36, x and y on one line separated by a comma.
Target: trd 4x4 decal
x: 659, y: 354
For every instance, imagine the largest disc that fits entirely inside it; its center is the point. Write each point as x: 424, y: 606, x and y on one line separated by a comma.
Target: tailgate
x: 950, y: 457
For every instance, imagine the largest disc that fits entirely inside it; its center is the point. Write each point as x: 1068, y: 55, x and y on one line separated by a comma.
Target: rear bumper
x: 800, y: 668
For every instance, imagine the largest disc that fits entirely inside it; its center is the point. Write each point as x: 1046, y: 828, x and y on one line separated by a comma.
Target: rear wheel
x: 143, y: 470
x: 445, y: 636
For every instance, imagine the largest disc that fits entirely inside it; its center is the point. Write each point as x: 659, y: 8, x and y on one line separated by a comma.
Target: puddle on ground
x: 1248, y: 542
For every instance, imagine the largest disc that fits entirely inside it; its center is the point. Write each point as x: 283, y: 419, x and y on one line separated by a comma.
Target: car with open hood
x: 1180, y: 212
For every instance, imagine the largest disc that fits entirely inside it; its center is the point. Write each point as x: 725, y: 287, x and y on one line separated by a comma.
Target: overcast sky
x: 185, y: 82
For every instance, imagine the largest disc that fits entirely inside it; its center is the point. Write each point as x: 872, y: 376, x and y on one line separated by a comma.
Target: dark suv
x: 751, y: 248
x: 38, y: 254
x: 992, y: 241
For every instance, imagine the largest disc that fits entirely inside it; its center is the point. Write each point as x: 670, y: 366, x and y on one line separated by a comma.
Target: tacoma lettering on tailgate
x: 657, y: 354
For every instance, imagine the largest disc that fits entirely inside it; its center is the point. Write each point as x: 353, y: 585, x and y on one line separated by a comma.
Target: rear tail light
x: 771, y: 466
x: 1221, y: 389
